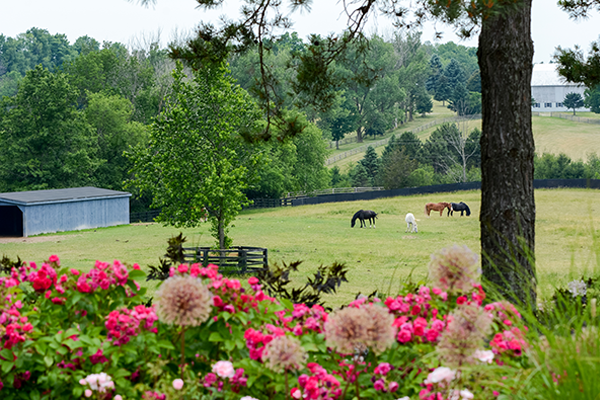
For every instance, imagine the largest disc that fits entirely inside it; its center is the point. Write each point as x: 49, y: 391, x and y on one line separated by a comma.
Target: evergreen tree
x: 436, y: 70
x: 443, y: 90
x: 474, y: 82
x: 371, y: 164
x: 455, y: 74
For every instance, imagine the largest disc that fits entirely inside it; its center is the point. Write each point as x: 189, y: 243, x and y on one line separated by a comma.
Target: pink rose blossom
x: 178, y: 384
x: 224, y: 369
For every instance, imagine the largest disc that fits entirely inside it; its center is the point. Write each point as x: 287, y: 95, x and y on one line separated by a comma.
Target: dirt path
x: 35, y: 239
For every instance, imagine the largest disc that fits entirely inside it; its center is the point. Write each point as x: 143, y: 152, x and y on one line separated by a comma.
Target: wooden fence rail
x: 235, y: 260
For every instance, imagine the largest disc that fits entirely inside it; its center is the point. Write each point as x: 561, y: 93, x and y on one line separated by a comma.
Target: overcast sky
x: 122, y: 21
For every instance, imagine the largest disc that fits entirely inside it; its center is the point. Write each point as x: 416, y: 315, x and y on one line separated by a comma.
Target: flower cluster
x: 319, y: 385
x: 306, y: 319
x: 411, y: 313
x: 13, y: 326
x: 379, y: 380
x: 150, y: 395
x: 124, y: 323
x: 223, y: 370
x: 577, y: 288
x: 256, y: 340
x: 97, y: 382
x: 510, y: 339
x: 102, y: 276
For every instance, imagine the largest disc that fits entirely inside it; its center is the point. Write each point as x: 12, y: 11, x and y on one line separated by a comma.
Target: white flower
x: 466, y: 395
x: 440, y: 374
x: 486, y: 356
x: 224, y: 369
x: 248, y: 398
x: 577, y: 288
x: 99, y: 382
x: 404, y: 398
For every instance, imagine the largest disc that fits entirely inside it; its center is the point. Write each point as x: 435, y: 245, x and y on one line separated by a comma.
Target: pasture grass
x: 377, y: 259
x: 556, y: 135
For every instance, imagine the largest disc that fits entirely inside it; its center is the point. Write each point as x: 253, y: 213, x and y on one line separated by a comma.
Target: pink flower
x: 54, y: 258
x: 88, y: 393
x: 296, y: 393
x: 440, y: 374
x: 183, y: 268
x: 486, y: 356
x: 393, y: 386
x: 383, y: 368
x: 118, y: 397
x: 404, y: 336
x: 461, y: 300
x: 253, y: 281
x: 224, y: 369
x: 178, y: 384
x: 379, y: 385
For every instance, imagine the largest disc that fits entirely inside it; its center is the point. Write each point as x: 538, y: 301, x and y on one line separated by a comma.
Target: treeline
x: 70, y: 114
x: 380, y: 84
x: 450, y: 154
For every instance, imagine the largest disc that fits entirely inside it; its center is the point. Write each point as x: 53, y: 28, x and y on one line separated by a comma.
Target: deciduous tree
x: 196, y: 159
x: 573, y: 101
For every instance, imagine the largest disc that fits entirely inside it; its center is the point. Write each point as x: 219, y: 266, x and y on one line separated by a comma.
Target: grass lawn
x: 556, y: 135
x: 377, y: 258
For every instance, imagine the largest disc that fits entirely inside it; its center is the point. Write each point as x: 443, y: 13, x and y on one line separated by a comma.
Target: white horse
x: 411, y: 223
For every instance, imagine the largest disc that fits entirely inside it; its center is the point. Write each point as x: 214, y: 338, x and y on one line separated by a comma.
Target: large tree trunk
x: 507, y: 203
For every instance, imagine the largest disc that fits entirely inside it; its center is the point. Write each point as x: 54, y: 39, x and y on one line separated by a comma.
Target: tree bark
x: 507, y: 217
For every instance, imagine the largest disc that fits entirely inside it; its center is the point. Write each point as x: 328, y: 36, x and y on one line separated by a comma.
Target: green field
x: 567, y: 222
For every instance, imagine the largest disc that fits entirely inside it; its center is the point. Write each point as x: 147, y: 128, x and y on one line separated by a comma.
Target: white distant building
x: 548, y: 89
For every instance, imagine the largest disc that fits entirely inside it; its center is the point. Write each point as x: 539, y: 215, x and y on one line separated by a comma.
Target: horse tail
x: 468, y: 210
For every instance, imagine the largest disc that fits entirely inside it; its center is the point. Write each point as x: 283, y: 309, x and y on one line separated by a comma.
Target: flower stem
x: 287, y: 389
x: 182, y: 350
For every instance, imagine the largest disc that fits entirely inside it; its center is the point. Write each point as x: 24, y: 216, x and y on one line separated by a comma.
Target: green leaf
x: 48, y: 361
x: 137, y: 275
x: 287, y: 304
x: 215, y: 337
x: 7, y: 366
x: 165, y: 344
x: 7, y: 354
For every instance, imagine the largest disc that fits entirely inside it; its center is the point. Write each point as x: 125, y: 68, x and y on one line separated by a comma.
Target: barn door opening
x: 11, y: 221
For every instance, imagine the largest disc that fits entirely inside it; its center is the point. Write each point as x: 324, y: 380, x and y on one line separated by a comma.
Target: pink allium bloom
x: 454, y: 269
x: 183, y: 300
x: 486, y: 356
x: 178, y: 384
x: 441, y: 374
x: 224, y: 369
x: 284, y: 353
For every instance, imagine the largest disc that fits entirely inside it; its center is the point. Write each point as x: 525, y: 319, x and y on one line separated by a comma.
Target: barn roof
x: 59, y: 195
x: 547, y: 75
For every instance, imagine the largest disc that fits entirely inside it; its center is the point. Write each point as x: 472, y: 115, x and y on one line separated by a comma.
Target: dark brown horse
x: 437, y: 207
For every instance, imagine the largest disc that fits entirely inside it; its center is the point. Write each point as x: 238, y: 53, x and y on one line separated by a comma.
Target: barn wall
x: 75, y: 215
x: 554, y: 95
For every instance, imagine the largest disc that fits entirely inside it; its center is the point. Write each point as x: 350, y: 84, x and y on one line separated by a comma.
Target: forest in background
x: 70, y: 112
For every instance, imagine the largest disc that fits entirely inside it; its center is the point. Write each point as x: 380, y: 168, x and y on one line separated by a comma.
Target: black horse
x: 364, y: 215
x: 462, y: 207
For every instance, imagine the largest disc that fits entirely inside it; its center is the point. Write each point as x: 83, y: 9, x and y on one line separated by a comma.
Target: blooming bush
x: 70, y: 334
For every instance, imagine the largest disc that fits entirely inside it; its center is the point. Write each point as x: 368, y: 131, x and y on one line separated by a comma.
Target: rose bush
x: 68, y: 334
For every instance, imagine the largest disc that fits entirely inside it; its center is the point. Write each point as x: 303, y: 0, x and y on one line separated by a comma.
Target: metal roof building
x: 58, y: 210
x: 549, y: 89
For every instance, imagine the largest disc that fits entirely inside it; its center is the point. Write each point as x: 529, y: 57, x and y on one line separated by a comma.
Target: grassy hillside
x: 377, y: 258
x: 552, y: 135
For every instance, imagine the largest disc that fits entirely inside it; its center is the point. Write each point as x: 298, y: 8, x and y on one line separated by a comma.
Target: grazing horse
x: 436, y: 207
x: 364, y: 215
x: 462, y: 207
x: 411, y: 222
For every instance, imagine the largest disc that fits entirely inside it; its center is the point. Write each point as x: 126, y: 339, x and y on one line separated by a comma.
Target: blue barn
x: 59, y: 210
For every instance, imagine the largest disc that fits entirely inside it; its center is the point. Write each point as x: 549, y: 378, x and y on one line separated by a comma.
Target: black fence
x: 235, y: 260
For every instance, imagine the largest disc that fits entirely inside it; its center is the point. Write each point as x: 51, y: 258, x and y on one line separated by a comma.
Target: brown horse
x: 437, y: 207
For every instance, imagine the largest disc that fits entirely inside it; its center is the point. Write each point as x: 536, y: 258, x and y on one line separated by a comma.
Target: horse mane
x: 356, y: 215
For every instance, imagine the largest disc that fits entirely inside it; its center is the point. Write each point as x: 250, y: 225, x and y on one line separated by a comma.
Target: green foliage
x: 397, y: 169
x: 573, y: 101
x: 550, y: 166
x: 326, y: 280
x: 573, y: 65
x: 195, y: 158
x: 592, y: 99
x: 45, y: 141
x: 371, y: 164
